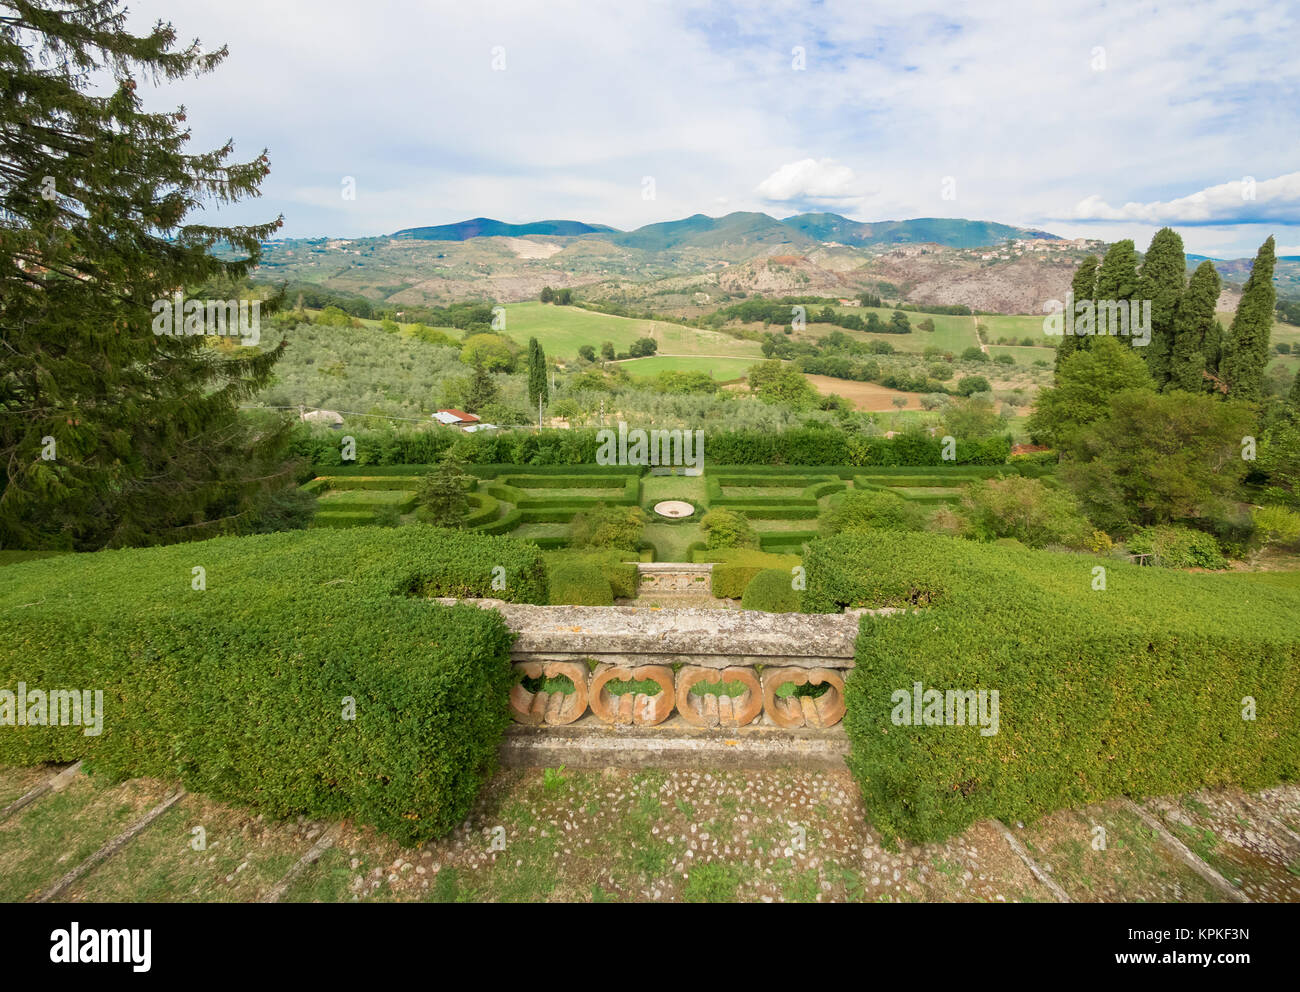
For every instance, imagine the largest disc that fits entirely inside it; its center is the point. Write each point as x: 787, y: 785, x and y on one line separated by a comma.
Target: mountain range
x: 702, y: 231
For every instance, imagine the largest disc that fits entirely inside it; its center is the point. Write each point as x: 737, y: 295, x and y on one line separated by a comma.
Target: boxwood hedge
x: 579, y: 583
x: 771, y: 590
x: 1163, y: 682
x: 734, y: 568
x: 239, y: 690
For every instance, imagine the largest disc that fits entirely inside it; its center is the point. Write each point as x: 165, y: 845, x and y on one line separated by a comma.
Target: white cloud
x: 811, y: 180
x: 704, y: 98
x: 1239, y: 201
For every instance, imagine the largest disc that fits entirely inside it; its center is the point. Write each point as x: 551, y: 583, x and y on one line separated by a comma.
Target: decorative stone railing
x: 595, y: 648
x: 674, y: 578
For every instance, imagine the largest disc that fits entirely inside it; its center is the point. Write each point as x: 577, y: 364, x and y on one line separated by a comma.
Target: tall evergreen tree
x: 1196, y: 332
x: 1245, y: 352
x: 1293, y: 398
x: 482, y: 388
x: 538, y: 386
x: 1117, y: 280
x: 1082, y: 287
x: 1161, y: 280
x: 111, y: 434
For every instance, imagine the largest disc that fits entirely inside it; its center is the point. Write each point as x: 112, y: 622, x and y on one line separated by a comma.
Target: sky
x: 1100, y: 120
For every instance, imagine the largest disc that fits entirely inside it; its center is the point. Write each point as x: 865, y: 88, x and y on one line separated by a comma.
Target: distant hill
x: 950, y: 232
x: 1235, y: 272
x: 746, y: 228
x: 486, y: 227
x: 708, y: 232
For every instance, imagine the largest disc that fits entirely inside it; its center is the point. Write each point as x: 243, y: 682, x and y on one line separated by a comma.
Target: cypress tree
x: 1196, y: 335
x: 1293, y: 400
x: 1117, y: 278
x: 538, y: 387
x: 1162, y: 279
x: 110, y: 433
x: 1082, y: 287
x: 1245, y: 353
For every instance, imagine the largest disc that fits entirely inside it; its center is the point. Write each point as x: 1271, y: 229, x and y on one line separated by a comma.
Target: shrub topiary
x: 618, y: 568
x: 734, y: 569
x: 1135, y: 690
x: 579, y: 583
x: 772, y: 591
x: 871, y: 509
x: 306, y: 678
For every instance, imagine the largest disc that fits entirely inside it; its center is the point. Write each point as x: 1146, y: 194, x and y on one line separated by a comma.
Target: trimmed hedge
x: 1137, y: 690
x: 618, y: 572
x: 629, y: 496
x: 333, y: 483
x: 579, y: 583
x: 807, y: 446
x: 772, y: 591
x: 239, y: 690
x: 502, y: 525
x: 734, y: 569
x: 785, y: 540
x: 592, y: 481
x: 484, y: 508
x: 769, y: 512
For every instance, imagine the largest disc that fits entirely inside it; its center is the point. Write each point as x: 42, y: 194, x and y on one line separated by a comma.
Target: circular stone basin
x: 674, y: 509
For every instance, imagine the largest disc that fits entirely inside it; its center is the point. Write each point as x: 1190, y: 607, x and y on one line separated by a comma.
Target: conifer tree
x: 1245, y: 352
x: 111, y: 434
x: 538, y: 387
x: 1082, y: 287
x: 1161, y: 280
x: 1196, y: 334
x: 1117, y: 280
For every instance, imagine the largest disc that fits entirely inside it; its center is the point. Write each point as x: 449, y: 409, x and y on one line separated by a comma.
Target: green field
x: 722, y: 369
x: 950, y: 333
x: 563, y: 330
x: 1022, y: 355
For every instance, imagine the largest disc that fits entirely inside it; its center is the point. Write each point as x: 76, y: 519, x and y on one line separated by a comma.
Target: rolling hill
x: 486, y: 227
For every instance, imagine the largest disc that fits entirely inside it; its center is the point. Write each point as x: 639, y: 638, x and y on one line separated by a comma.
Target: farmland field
x: 864, y: 395
x: 563, y: 330
x: 722, y: 369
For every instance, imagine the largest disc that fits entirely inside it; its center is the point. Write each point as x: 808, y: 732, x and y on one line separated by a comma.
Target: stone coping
x: 714, y: 638
x: 652, y: 567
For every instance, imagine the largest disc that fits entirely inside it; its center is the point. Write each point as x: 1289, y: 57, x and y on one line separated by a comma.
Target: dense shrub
x: 772, y: 591
x: 609, y: 527
x: 1026, y: 509
x: 1177, y: 547
x: 725, y: 528
x: 579, y: 583
x: 871, y: 509
x: 1137, y: 690
x: 239, y: 690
